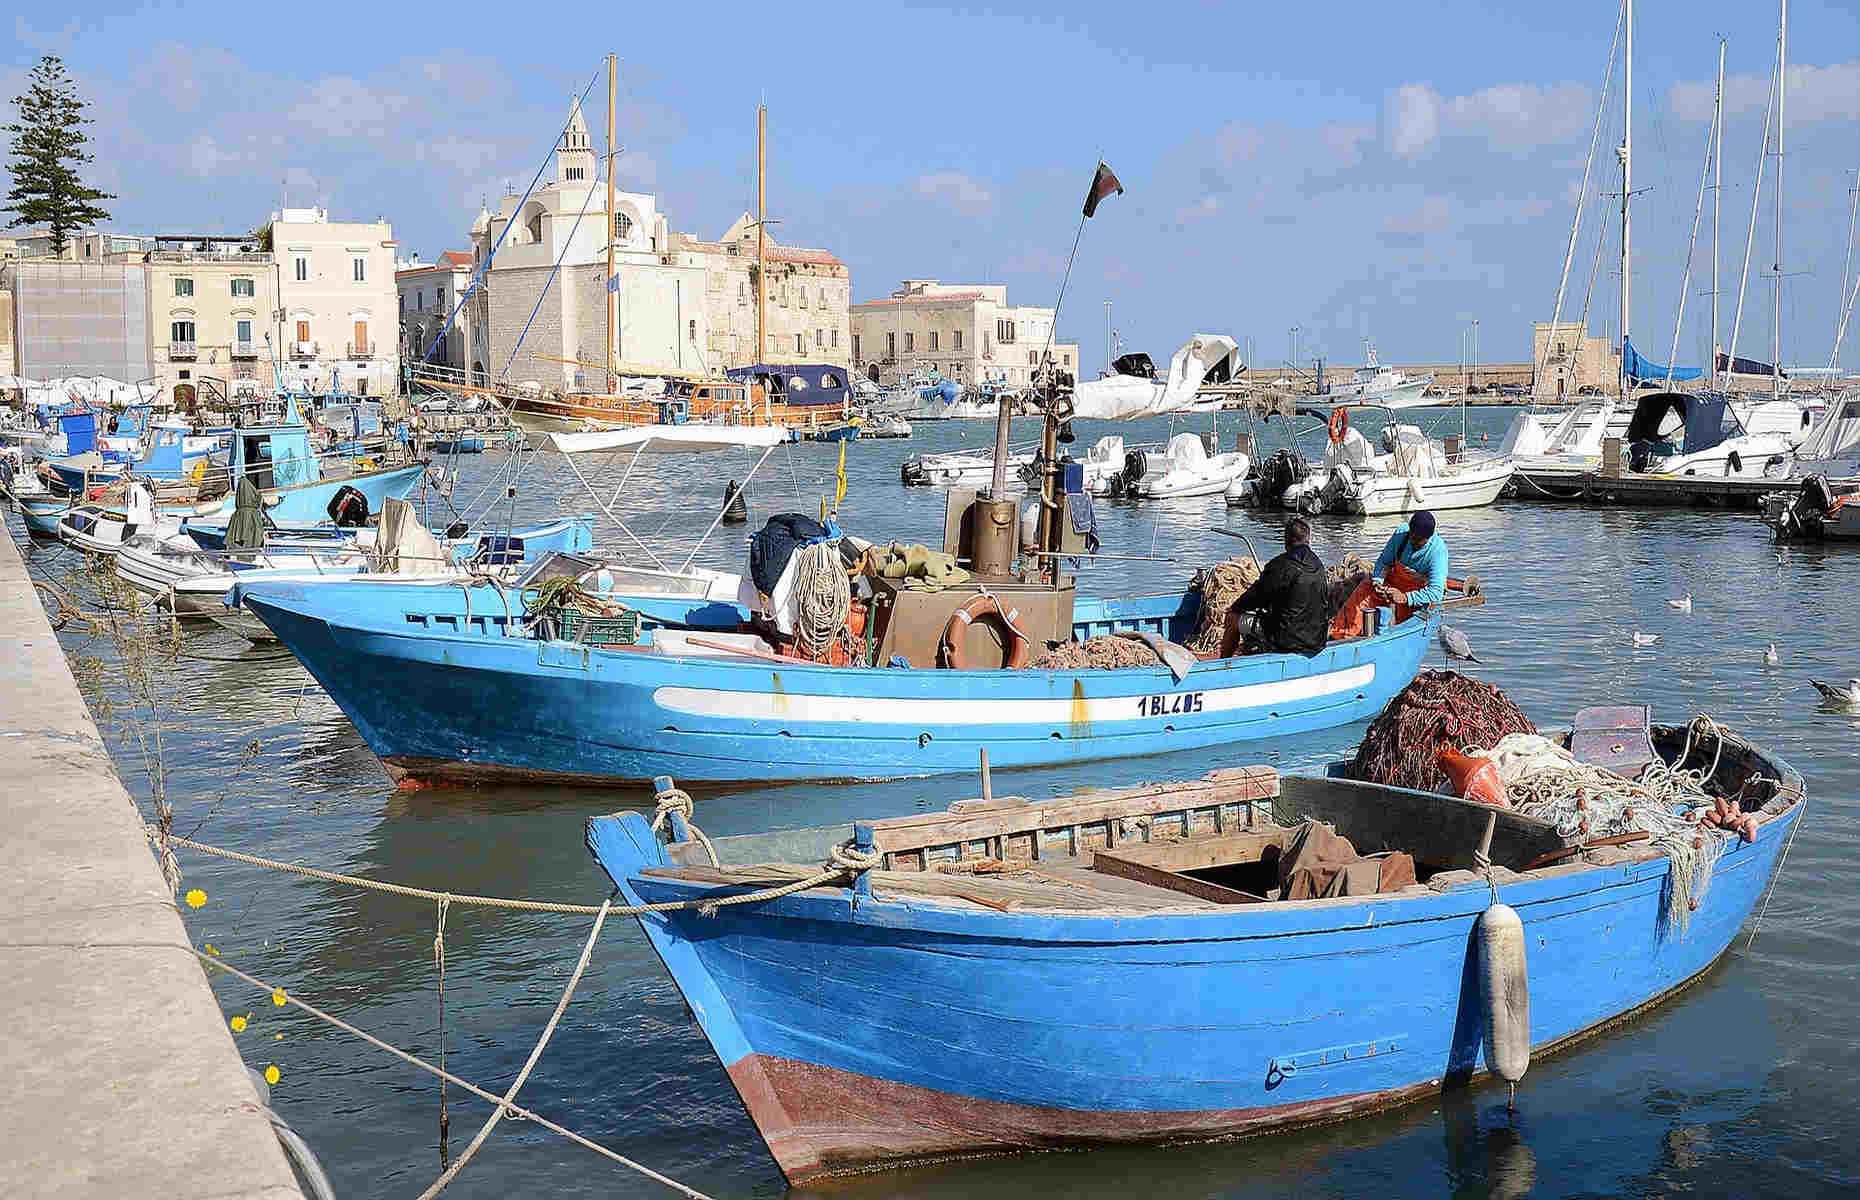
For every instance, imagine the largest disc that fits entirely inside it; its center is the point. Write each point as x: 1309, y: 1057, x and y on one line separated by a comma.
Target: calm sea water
x: 1748, y: 1083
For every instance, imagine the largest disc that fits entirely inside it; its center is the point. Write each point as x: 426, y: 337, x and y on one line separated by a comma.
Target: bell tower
x: 574, y: 157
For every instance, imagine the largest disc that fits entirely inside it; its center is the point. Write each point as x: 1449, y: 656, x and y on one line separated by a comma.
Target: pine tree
x: 48, y: 146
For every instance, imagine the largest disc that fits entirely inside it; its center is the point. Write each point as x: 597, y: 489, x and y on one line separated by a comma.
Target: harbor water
x: 1746, y: 1083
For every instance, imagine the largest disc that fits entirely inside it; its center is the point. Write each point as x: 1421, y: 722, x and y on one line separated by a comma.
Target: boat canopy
x: 1836, y: 435
x: 694, y: 437
x: 1206, y: 358
x: 1637, y: 367
x: 1137, y: 364
x: 800, y: 385
x: 1708, y: 419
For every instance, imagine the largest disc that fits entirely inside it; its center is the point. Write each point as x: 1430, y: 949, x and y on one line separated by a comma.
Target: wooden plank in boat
x: 1031, y: 890
x: 1157, y: 877
x: 1200, y: 853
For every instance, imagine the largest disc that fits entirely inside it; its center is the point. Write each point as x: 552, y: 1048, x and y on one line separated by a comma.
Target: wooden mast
x: 762, y: 199
x: 613, y: 296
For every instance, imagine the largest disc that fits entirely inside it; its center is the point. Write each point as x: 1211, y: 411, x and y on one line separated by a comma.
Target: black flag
x: 1103, y: 183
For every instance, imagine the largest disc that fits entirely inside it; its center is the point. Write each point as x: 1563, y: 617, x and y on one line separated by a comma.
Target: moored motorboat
x: 1143, y: 966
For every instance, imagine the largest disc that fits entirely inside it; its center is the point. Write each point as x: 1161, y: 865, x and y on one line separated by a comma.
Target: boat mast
x: 1627, y: 184
x: 613, y: 296
x: 1782, y: 89
x: 1717, y: 191
x: 762, y: 216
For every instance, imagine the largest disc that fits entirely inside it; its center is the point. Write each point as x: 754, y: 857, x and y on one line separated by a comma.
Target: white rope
x: 561, y: 1006
x: 823, y: 596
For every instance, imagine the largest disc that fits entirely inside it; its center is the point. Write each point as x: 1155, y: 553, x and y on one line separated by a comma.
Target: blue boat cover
x: 803, y: 385
x: 1636, y: 367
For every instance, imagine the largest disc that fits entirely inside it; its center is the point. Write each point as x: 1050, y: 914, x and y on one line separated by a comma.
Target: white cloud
x: 960, y: 193
x: 1412, y: 120
x: 1237, y: 143
x: 1208, y: 206
x: 1816, y: 94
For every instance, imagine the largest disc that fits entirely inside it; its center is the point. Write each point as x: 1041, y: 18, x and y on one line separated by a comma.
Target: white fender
x: 1504, y: 992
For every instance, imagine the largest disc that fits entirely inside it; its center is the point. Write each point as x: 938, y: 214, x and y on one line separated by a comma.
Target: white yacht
x: 1382, y: 386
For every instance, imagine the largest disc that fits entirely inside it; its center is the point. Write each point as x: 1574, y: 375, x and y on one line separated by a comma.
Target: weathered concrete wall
x: 82, y: 319
x: 122, y: 1078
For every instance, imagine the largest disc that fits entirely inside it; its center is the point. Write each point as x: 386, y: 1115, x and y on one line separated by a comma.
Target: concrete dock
x: 122, y: 1076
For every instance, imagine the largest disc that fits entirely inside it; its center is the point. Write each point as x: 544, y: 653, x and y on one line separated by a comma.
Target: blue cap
x: 1421, y: 524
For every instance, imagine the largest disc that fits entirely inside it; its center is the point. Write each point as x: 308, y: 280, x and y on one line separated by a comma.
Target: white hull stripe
x: 898, y: 710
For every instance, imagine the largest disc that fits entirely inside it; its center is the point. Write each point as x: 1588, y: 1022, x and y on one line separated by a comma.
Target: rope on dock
x: 505, y: 1104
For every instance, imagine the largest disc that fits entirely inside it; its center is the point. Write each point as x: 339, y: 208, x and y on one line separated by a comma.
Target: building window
x: 820, y: 338
x: 303, y: 268
x: 692, y: 332
x: 833, y: 339
x: 891, y: 345
x: 244, y: 336
x: 933, y: 339
x: 800, y: 344
x: 857, y: 357
x: 956, y: 340
x: 361, y: 270
x: 571, y: 174
x: 1004, y: 332
x: 439, y: 297
x: 183, y: 287
x: 910, y: 342
x: 1065, y: 360
x: 623, y: 226
x: 242, y: 287
x: 303, y: 331
x: 742, y: 292
x: 181, y: 331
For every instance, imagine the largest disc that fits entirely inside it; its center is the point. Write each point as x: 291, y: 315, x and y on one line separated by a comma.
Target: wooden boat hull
x: 866, y: 1030
x: 441, y: 693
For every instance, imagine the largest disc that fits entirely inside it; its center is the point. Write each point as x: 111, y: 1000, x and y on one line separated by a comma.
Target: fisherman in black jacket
x: 1292, y: 597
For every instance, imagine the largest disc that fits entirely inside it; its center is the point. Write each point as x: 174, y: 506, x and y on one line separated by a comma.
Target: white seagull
x: 1455, y: 644
x: 1846, y: 695
x: 1645, y: 639
x: 1770, y: 656
x: 1683, y: 604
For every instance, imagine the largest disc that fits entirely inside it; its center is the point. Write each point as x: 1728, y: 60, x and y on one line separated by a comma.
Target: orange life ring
x: 984, y: 607
x: 1339, y: 424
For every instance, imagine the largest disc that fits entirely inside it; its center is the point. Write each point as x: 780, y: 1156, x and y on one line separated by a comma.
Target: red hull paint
x: 821, y: 1121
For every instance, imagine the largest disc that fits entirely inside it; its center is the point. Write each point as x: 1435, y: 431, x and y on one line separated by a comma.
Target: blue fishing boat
x: 445, y: 685
x: 1139, y: 966
x: 458, y: 443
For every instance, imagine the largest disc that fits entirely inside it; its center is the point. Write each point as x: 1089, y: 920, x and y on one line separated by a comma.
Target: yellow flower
x: 238, y: 1024
x: 195, y: 898
x: 277, y: 997
x: 272, y: 1075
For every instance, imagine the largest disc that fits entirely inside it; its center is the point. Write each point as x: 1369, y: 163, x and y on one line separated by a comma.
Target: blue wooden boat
x: 1134, y: 985
x: 448, y: 686
x: 459, y: 443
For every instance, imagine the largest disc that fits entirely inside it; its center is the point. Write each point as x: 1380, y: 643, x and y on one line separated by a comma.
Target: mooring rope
x: 561, y: 1006
x: 215, y: 963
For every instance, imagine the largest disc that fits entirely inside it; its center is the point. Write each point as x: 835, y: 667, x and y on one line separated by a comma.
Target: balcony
x: 245, y: 350
x: 361, y: 349
x: 303, y: 349
x: 181, y: 351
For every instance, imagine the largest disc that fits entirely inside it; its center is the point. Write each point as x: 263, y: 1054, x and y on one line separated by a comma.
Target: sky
x: 1352, y: 170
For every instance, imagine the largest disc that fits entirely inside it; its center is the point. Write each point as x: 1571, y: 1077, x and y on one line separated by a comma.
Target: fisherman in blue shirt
x: 1412, y: 570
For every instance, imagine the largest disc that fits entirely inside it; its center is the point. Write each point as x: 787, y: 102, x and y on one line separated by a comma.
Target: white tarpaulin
x: 694, y: 438
x: 1122, y: 397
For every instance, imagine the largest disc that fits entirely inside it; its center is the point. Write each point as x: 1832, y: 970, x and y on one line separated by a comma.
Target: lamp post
x: 1475, y: 344
x: 1110, y: 351
x: 1294, y: 350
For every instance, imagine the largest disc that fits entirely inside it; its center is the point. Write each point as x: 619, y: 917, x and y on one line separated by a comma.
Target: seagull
x: 1683, y: 604
x: 1770, y: 657
x: 1645, y: 639
x: 1847, y: 696
x: 1455, y: 644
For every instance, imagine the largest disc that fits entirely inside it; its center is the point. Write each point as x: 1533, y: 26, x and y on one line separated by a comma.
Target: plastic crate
x: 577, y: 626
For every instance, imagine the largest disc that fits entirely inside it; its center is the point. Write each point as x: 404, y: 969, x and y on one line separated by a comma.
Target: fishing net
x: 1587, y: 804
x: 1344, y: 578
x: 1219, y: 586
x: 1096, y: 654
x: 1440, y: 708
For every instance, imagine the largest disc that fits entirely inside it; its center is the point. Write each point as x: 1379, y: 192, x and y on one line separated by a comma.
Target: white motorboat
x: 1702, y: 433
x: 1412, y: 472
x: 1191, y: 471
x: 1382, y: 386
x: 961, y: 468
x: 103, y: 530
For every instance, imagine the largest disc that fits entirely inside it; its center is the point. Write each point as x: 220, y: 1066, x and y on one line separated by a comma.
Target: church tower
x: 574, y: 158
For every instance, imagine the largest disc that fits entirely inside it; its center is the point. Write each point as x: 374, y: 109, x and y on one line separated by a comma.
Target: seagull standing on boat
x: 1413, y: 566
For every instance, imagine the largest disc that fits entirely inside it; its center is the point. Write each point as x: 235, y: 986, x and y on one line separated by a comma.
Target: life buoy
x: 984, y: 607
x: 1339, y: 425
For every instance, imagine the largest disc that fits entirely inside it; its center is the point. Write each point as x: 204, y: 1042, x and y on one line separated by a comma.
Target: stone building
x: 430, y: 333
x: 211, y: 302
x: 965, y: 332
x: 1571, y: 359
x: 337, y: 307
x: 680, y: 303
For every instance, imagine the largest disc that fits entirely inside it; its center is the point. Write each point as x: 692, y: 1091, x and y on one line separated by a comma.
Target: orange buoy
x: 1339, y: 425
x: 1474, y: 779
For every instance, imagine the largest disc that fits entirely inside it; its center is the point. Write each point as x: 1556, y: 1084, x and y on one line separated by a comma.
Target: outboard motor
x: 1134, y: 466
x: 348, y: 508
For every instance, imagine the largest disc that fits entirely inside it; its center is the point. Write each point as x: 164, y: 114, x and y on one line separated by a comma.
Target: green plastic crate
x: 578, y: 626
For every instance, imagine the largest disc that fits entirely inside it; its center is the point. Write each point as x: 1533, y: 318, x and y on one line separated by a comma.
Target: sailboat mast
x: 1717, y: 191
x: 1782, y: 88
x: 1627, y: 184
x: 613, y: 296
x: 762, y: 216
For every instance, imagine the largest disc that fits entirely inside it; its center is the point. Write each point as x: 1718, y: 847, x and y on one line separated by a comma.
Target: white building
x: 431, y: 332
x: 965, y: 332
x: 337, y: 316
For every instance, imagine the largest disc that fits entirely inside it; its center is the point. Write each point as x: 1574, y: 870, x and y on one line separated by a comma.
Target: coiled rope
x: 823, y: 596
